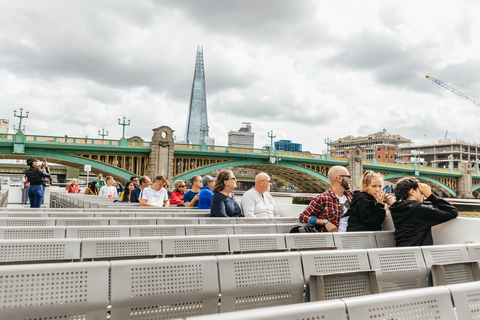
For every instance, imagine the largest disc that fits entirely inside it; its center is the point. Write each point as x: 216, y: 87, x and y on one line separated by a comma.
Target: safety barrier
x: 205, y: 285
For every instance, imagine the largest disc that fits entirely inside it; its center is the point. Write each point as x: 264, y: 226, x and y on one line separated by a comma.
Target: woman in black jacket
x: 36, y: 177
x: 412, y: 218
x: 367, y: 211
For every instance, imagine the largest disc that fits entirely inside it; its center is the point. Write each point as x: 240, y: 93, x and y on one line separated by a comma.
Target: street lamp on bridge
x: 327, y: 142
x: 272, y: 153
x: 21, y: 116
x: 124, y: 124
x: 103, y: 134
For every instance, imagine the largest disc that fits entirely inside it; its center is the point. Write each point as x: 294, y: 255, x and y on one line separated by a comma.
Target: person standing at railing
x: 413, y: 218
x: 35, y: 176
x: 25, y: 185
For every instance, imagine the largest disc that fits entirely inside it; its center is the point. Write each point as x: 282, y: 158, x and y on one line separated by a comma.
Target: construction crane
x: 450, y: 88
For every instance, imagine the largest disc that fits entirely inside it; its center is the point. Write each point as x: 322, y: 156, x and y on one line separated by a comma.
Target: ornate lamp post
x: 327, y: 142
x: 103, y: 134
x: 124, y: 124
x: 21, y: 116
x: 272, y: 153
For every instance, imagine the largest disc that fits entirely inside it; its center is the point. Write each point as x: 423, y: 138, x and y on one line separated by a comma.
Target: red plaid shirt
x: 325, y: 206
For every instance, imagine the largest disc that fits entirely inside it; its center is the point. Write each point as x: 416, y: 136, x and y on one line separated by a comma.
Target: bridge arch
x: 476, y: 187
x: 307, y: 180
x: 437, y: 186
x: 78, y: 162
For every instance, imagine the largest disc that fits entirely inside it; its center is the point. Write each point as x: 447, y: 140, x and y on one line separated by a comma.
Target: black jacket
x: 413, y: 220
x: 35, y: 175
x: 365, y: 213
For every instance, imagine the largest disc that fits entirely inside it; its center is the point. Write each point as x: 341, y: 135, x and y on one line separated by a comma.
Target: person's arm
x: 144, y: 203
x: 442, y: 211
x: 248, y: 205
x: 217, y: 206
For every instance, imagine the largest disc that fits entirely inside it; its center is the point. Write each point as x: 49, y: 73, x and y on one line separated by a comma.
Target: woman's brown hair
x: 223, y: 176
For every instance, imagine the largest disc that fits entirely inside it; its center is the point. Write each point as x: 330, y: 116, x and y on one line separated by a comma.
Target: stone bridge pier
x: 161, y: 159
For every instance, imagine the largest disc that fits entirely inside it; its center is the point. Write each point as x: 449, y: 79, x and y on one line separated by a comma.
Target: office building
x: 288, y: 145
x: 383, y: 145
x: 196, y: 130
x: 243, y: 138
x: 436, y: 153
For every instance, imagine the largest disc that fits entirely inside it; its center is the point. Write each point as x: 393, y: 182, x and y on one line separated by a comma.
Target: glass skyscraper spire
x: 197, y: 111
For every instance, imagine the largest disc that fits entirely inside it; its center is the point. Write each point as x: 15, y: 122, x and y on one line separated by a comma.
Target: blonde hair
x: 367, y: 178
x: 178, y: 183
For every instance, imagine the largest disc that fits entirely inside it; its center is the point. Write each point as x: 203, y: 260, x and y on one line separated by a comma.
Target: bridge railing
x: 75, y: 140
x: 258, y: 151
x: 409, y: 166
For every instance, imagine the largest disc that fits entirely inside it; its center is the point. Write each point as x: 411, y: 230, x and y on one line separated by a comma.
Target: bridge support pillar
x: 464, y: 184
x: 161, y: 159
x: 355, y: 166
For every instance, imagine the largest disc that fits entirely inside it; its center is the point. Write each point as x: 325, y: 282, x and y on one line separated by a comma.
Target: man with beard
x: 325, y: 210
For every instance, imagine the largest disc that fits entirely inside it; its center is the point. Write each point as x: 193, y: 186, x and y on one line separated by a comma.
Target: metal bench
x: 39, y: 250
x: 131, y: 247
x: 256, y: 242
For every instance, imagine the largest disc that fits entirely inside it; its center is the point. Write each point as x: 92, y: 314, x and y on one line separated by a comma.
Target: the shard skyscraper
x: 197, y: 122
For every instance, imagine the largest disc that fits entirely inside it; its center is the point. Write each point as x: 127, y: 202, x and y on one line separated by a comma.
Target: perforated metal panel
x: 398, y: 268
x: 54, y: 291
x: 242, y: 220
x: 195, y: 244
x: 177, y: 221
x: 466, y: 299
x: 22, y: 222
x: 473, y: 251
x: 309, y: 240
x: 354, y: 240
x: 452, y: 273
x: 121, y: 247
x: 323, y: 262
x: 425, y: 303
x: 385, y: 239
x: 13, y: 233
x: 208, y: 230
x: 260, y: 280
x: 25, y: 215
x: 213, y: 220
x: 164, y: 288
x: 445, y: 254
x: 82, y: 221
x: 342, y: 285
x: 254, y: 228
x: 156, y: 231
x: 251, y: 242
x: 71, y: 214
x: 98, y: 232
x: 114, y: 215
x: 39, y: 249
x: 133, y: 221
x: 323, y: 310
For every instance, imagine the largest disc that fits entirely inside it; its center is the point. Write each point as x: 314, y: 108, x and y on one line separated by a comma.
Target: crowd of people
x: 413, y: 208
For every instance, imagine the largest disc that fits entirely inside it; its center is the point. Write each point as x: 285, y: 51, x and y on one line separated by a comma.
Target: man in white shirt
x: 155, y: 195
x: 257, y: 202
x: 108, y: 191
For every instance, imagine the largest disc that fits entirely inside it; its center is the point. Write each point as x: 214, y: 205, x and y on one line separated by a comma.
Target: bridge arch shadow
x: 307, y: 180
x: 437, y: 187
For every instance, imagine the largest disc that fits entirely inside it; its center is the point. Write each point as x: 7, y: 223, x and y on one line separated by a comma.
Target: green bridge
x: 307, y: 171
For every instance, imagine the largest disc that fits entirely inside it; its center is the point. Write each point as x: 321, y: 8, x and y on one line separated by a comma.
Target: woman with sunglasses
x: 223, y: 202
x: 176, y: 198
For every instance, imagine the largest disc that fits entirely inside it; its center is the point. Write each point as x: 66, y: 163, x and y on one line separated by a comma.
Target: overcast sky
x: 305, y: 69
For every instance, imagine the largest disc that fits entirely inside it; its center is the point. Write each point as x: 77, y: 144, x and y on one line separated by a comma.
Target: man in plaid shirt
x: 325, y: 210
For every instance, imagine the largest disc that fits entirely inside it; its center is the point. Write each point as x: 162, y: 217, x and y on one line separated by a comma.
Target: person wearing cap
x: 100, y: 180
x: 35, y: 176
x: 193, y: 194
x: 205, y: 196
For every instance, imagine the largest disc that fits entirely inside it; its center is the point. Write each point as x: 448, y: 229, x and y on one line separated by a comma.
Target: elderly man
x: 73, y: 187
x: 257, y: 202
x: 155, y: 195
x: 325, y: 210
